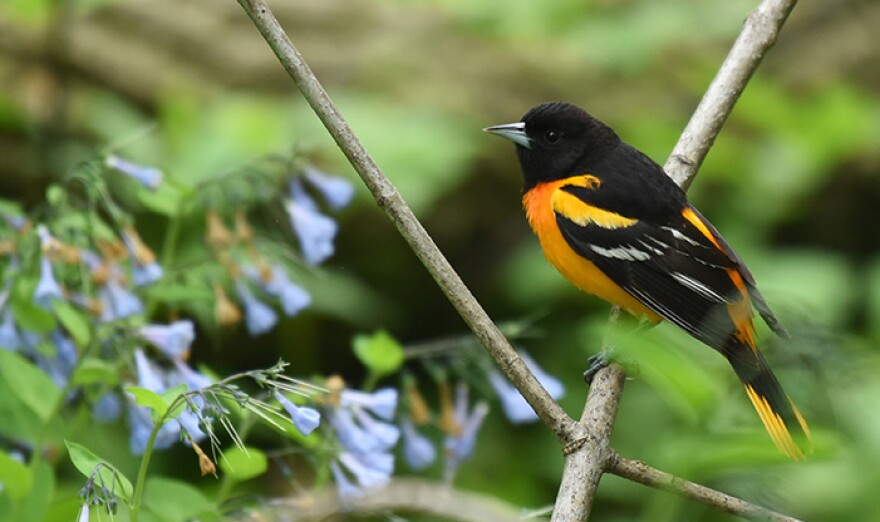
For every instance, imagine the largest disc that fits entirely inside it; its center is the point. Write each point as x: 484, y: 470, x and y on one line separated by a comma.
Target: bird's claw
x: 596, y: 363
x: 603, y: 359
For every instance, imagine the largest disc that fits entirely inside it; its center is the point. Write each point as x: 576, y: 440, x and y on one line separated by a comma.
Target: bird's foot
x: 595, y: 364
x: 602, y: 359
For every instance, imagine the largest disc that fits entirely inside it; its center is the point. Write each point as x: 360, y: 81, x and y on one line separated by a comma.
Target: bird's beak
x: 515, y: 132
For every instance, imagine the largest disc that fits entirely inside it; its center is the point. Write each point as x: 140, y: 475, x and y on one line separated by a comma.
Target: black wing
x: 677, y: 269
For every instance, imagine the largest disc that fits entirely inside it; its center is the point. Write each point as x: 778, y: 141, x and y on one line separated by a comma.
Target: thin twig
x: 757, y: 36
x: 408, y: 225
x: 644, y: 474
x: 435, y: 500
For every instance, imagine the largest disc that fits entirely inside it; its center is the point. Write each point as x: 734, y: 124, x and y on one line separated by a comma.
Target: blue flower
x: 190, y: 420
x: 314, y: 230
x: 346, y: 487
x: 515, y: 407
x: 293, y: 297
x: 366, y: 440
x: 173, y: 339
x: 459, y: 447
x: 183, y: 374
x: 142, y: 275
x: 107, y: 408
x: 83, y: 513
x: 9, y: 338
x: 368, y: 474
x: 16, y: 221
x: 352, y: 435
x: 386, y: 435
x: 59, y: 366
x: 117, y: 302
x: 150, y: 177
x: 553, y: 385
x: 258, y: 316
x: 141, y: 426
x: 151, y: 377
x: 418, y: 451
x: 337, y: 191
x: 144, y: 268
x: 381, y: 402
x: 47, y: 288
x: 304, y: 418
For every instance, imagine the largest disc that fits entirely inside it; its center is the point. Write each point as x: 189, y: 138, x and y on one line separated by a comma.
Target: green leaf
x: 55, y: 195
x: 27, y: 397
x: 90, y: 221
x: 171, y: 395
x: 86, y: 461
x: 32, y: 318
x: 149, y: 399
x: 176, y: 501
x: 36, y: 504
x: 74, y: 321
x: 165, y: 200
x: 379, y: 352
x: 242, y: 466
x: 15, y: 477
x: 92, y: 370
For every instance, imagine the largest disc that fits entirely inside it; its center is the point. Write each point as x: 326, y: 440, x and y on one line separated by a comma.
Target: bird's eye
x: 552, y: 136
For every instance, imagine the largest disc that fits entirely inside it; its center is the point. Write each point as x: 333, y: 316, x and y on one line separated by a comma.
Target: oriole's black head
x: 555, y: 140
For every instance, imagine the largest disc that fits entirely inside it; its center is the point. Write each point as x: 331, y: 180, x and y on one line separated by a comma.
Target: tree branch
x: 757, y: 36
x: 587, y: 458
x: 435, y: 500
x: 644, y: 474
x: 410, y: 228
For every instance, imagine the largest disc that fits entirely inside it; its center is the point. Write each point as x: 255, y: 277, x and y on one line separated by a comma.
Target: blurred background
x: 793, y: 182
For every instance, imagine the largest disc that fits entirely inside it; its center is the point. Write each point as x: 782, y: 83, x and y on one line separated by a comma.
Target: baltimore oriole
x: 614, y: 224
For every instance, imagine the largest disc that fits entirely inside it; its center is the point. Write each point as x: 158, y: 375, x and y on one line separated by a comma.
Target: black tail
x: 777, y: 412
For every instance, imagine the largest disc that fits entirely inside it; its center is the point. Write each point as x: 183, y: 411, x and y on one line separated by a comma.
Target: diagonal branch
x: 387, y: 197
x: 757, y: 36
x: 644, y: 474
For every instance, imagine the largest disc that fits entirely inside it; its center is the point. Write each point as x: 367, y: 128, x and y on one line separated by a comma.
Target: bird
x: 616, y: 226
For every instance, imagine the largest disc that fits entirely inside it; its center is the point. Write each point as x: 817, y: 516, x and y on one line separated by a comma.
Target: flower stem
x: 142, y: 471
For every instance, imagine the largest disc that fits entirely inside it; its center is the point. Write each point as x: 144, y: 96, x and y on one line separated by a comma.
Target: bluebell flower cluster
x: 363, y: 426
x: 254, y: 277
x: 314, y: 229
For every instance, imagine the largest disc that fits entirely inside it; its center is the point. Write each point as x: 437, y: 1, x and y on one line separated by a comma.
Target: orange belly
x: 577, y: 269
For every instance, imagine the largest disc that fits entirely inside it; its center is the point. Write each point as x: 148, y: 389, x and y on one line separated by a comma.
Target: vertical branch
x: 584, y: 467
x: 587, y: 458
x: 408, y: 225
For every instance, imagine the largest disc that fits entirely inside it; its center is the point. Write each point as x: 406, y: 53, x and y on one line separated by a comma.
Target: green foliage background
x: 793, y: 183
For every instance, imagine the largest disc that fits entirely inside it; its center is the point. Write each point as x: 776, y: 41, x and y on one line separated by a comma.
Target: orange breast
x: 577, y: 269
